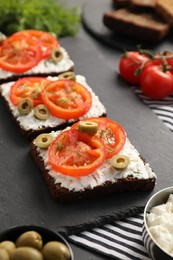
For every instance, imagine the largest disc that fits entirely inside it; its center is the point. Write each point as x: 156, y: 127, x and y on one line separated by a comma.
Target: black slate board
x: 93, y: 22
x: 24, y: 198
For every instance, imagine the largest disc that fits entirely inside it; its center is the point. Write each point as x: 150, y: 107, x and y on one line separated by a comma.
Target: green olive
x: 43, y: 140
x: 56, y: 250
x: 67, y: 75
x: 9, y: 246
x: 120, y: 162
x: 29, y: 253
x: 30, y: 239
x: 41, y: 112
x: 56, y: 55
x: 88, y: 127
x: 4, y: 254
x: 25, y: 106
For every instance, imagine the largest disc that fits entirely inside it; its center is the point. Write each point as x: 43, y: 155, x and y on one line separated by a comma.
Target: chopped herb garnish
x: 46, y: 15
x: 136, y: 172
x: 60, y: 146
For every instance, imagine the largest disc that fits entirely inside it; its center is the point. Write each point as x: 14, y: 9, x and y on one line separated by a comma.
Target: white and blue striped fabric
x: 123, y: 240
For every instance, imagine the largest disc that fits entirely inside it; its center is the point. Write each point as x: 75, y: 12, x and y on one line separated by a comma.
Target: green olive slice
x: 119, y: 161
x: 68, y: 75
x: 88, y: 127
x: 43, y: 140
x: 25, y: 106
x: 41, y: 112
x: 56, y: 55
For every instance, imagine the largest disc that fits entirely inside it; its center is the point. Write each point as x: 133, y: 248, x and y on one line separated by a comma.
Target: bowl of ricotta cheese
x: 157, y: 231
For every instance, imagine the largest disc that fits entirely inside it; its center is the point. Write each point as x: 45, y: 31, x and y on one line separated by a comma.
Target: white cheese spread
x: 160, y: 224
x: 30, y: 122
x: 45, y: 66
x: 106, y: 172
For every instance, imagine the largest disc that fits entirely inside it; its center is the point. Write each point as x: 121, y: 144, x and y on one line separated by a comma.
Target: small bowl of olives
x: 33, y: 243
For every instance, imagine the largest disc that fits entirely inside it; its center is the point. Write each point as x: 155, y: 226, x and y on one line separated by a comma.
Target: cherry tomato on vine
x: 129, y: 64
x: 155, y: 83
x: 169, y: 60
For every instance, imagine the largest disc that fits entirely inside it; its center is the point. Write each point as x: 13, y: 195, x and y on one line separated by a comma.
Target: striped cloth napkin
x: 122, y: 240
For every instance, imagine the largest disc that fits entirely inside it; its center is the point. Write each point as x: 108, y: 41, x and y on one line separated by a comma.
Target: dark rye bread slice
x: 140, y: 5
x: 97, y: 110
x: 120, y: 3
x: 143, y: 5
x: 165, y: 9
x: 64, y: 195
x: 46, y: 67
x: 145, y: 27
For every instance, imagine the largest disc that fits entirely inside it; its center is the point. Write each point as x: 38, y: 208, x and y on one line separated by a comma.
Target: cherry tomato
x: 129, y: 64
x: 75, y: 153
x: 155, y: 83
x: 47, y: 41
x: 19, y: 54
x: 66, y: 99
x: 110, y: 132
x: 169, y: 60
x: 28, y: 87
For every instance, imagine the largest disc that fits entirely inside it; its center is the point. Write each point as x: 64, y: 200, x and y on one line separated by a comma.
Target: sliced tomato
x: 75, y: 153
x: 47, y: 41
x: 19, y: 54
x: 29, y: 87
x: 67, y: 99
x: 110, y: 132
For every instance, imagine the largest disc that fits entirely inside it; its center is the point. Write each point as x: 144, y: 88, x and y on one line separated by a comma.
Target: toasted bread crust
x: 14, y: 77
x: 63, y: 195
x: 143, y: 5
x: 165, y: 9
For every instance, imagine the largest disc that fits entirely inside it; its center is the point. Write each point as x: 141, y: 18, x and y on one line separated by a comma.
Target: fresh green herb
x: 63, y: 100
x: 137, y: 172
x: 46, y: 15
x: 101, y: 133
x: 59, y: 146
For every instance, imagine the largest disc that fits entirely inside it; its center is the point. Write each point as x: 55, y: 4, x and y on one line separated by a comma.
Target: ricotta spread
x: 30, y: 122
x: 160, y: 224
x: 44, y: 66
x: 106, y: 172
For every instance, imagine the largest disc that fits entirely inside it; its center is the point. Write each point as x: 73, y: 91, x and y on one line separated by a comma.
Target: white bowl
x: 151, y: 245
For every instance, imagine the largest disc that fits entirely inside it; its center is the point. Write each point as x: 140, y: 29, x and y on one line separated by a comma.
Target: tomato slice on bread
x: 75, y: 153
x: 66, y: 99
x: 46, y: 40
x: 28, y: 87
x: 19, y: 54
x: 112, y: 134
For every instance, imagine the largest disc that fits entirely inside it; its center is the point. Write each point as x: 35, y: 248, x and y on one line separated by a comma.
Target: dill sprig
x: 45, y: 15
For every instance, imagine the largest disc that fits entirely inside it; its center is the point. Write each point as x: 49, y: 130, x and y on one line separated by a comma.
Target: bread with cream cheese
x: 45, y: 68
x: 103, y: 181
x: 31, y: 126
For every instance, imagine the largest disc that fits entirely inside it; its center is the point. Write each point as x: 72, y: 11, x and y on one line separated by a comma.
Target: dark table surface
x: 99, y: 64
